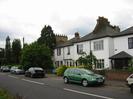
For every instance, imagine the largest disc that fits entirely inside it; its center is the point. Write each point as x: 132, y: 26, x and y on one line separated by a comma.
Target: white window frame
x: 98, y: 45
x: 80, y: 48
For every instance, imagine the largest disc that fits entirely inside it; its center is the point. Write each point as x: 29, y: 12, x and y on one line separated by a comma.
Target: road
x: 54, y: 88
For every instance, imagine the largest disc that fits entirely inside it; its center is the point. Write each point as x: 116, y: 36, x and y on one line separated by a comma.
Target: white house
x: 112, y: 48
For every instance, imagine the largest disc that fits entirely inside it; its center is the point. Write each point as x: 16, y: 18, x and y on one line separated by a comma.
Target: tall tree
x: 16, y: 50
x: 8, y: 50
x: 36, y: 55
x: 47, y: 37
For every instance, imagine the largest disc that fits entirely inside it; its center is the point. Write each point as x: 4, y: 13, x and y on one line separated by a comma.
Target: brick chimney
x: 77, y: 35
x: 102, y: 21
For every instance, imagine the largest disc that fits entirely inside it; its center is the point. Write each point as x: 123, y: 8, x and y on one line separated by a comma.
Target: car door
x: 76, y: 77
x: 70, y: 74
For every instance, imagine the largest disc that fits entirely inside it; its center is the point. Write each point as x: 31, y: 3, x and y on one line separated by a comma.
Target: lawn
x: 4, y: 94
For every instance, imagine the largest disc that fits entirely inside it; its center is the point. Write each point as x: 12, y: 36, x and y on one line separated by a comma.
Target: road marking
x: 88, y: 94
x: 12, y: 76
x: 33, y: 81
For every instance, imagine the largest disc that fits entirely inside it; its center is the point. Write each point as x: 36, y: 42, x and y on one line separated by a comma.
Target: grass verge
x: 4, y: 94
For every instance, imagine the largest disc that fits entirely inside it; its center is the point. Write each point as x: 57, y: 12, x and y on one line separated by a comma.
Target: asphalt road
x: 54, y: 88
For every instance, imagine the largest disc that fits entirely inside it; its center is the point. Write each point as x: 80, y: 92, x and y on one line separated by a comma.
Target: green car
x: 83, y: 76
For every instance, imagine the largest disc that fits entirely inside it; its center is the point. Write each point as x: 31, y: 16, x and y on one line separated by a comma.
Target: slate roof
x: 128, y: 31
x: 106, y: 32
x: 121, y: 55
x: 101, y: 30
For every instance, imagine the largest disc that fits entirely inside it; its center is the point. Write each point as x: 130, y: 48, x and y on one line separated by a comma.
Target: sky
x: 26, y: 18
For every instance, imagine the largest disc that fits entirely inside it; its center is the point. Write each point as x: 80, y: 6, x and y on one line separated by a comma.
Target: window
x: 100, y: 64
x: 58, y: 51
x: 68, y: 51
x: 98, y: 45
x: 80, y: 48
x: 130, y: 43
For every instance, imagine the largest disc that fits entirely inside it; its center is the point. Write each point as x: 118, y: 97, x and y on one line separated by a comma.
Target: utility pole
x: 23, y: 42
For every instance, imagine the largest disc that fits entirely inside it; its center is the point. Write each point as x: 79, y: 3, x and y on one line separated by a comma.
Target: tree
x: 16, y: 50
x: 8, y: 51
x: 87, y: 60
x: 47, y: 38
x: 36, y: 55
x: 2, y: 56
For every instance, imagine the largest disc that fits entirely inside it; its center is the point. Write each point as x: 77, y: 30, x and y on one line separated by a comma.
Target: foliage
x: 36, y: 55
x: 130, y: 69
x: 16, y: 50
x: 48, y: 38
x: 87, y: 60
x: 8, y: 51
x: 130, y: 63
x: 60, y: 70
x: 6, y: 95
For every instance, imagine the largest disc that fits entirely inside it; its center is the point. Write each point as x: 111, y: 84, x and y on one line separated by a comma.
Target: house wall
x: 121, y: 44
x: 86, y: 49
x: 112, y: 46
x: 103, y: 54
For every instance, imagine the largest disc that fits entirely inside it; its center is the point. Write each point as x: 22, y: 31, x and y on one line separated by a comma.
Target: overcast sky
x: 26, y: 18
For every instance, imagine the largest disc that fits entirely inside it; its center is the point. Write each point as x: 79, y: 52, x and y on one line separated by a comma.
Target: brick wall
x: 114, y: 75
x: 117, y: 75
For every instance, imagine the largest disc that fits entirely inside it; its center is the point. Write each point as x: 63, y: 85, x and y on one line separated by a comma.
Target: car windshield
x: 87, y: 71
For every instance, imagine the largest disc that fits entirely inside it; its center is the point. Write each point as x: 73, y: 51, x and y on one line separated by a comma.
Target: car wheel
x: 66, y: 80
x: 131, y: 89
x: 84, y: 82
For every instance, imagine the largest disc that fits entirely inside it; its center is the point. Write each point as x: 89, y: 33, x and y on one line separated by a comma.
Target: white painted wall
x: 112, y: 46
x: 86, y: 49
x: 102, y: 54
x: 60, y: 57
x: 121, y: 44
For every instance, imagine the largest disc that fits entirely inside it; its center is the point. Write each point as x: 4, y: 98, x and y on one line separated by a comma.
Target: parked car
x: 19, y: 71
x: 4, y: 69
x: 16, y: 70
x: 1, y: 68
x: 35, y: 72
x: 83, y: 76
x: 130, y: 82
x: 12, y: 70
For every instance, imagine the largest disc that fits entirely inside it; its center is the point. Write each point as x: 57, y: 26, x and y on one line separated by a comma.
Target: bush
x: 130, y: 69
x: 60, y: 70
x: 6, y: 95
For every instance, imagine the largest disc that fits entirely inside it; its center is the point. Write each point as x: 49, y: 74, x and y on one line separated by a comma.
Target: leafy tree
x: 16, y: 50
x: 47, y: 38
x: 87, y: 60
x: 36, y: 55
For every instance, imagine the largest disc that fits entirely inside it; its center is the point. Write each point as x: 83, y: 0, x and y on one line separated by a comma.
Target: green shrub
x: 6, y: 95
x: 130, y: 69
x: 60, y: 70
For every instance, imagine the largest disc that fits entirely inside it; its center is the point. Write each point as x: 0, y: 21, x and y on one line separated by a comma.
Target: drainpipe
x: 63, y: 55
